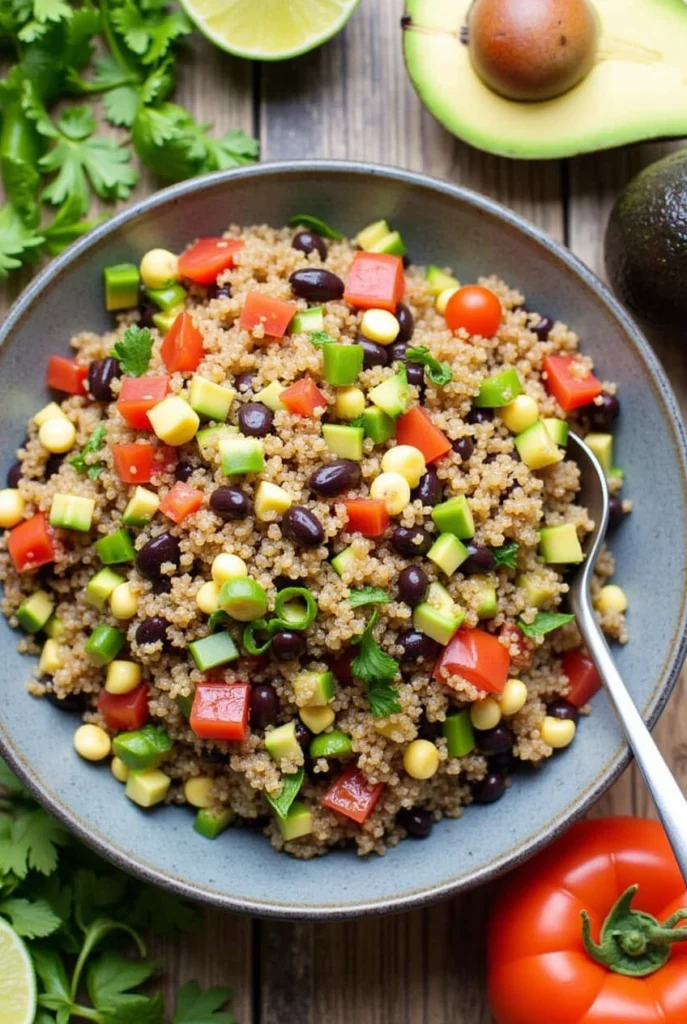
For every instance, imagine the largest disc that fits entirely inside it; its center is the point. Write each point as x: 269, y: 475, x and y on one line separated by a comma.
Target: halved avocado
x: 637, y: 88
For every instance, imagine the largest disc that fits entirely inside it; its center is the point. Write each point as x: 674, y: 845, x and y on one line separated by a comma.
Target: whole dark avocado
x: 646, y: 243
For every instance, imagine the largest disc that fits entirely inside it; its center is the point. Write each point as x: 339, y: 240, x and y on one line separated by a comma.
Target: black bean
x: 397, y: 351
x: 405, y: 322
x: 162, y: 585
x: 219, y: 291
x: 494, y: 741
x: 412, y: 584
x: 184, y: 471
x: 490, y: 789
x: 464, y: 446
x: 288, y: 645
x: 563, y: 709
x: 303, y: 735
x: 316, y: 284
x: 230, y: 503
x: 335, y: 477
x: 505, y: 762
x: 14, y: 475
x: 429, y: 490
x: 373, y: 354
x: 602, y: 413
x: 245, y: 380
x: 264, y: 705
x: 282, y: 581
x: 52, y: 466
x: 302, y: 527
x: 310, y: 241
x: 153, y: 555
x: 416, y: 646
x: 74, y: 702
x: 255, y: 419
x: 616, y: 512
x: 101, y: 373
x: 410, y: 541
x: 147, y: 309
x: 406, y: 261
x: 431, y: 731
x: 151, y: 630
x: 480, y: 416
x: 416, y: 822
x: 415, y: 373
x: 480, y: 560
x: 542, y: 328
x: 215, y: 756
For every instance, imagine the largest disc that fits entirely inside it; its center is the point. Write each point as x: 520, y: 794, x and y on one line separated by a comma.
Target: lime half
x: 17, y: 980
x: 269, y: 29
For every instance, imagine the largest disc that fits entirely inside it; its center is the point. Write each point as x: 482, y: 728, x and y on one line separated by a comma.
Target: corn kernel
x: 270, y: 498
x: 51, y: 658
x: 317, y: 719
x: 406, y: 460
x: 513, y: 697
x: 123, y: 602
x: 198, y: 791
x: 611, y: 599
x: 558, y: 732
x: 520, y: 414
x: 379, y: 325
x: 119, y: 769
x: 92, y: 743
x: 349, y: 403
x: 11, y: 507
x: 421, y: 759
x: 58, y: 436
x: 207, y: 597
x: 51, y: 411
x: 159, y: 267
x: 443, y: 297
x: 485, y: 713
x: 393, y: 489
x: 122, y: 676
x: 228, y: 567
x: 174, y: 421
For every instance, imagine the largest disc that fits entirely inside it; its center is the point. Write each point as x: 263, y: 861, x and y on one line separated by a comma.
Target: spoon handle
x: 667, y: 795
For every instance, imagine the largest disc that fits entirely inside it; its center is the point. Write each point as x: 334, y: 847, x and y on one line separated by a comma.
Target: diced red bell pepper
x: 182, y: 348
x: 137, y: 397
x: 125, y: 711
x: 352, y: 795
x: 570, y: 391
x: 32, y: 543
x: 274, y: 315
x: 134, y: 463
x: 205, y: 260
x: 220, y: 711
x: 368, y: 516
x: 181, y: 501
x: 521, y: 657
x: 66, y: 375
x: 416, y: 428
x: 303, y: 397
x: 476, y: 656
x: 375, y: 281
x: 583, y: 677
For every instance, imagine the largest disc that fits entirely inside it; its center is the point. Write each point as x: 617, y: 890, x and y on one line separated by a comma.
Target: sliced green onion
x: 250, y: 637
x: 288, y: 608
x: 306, y: 220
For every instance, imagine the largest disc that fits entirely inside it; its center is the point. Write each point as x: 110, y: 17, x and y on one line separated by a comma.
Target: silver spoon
x: 667, y: 795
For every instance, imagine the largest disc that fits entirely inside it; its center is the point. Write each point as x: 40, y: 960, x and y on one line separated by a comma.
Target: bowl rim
x: 510, y: 858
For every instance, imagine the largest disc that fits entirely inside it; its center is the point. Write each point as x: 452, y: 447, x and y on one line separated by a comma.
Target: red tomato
x: 220, y: 711
x: 134, y: 463
x: 569, y: 390
x: 375, y: 281
x: 66, y: 375
x: 205, y: 260
x: 125, y: 711
x: 583, y: 677
x: 367, y: 516
x: 137, y: 397
x: 303, y: 398
x: 181, y: 501
x: 32, y: 543
x: 273, y: 314
x: 476, y: 309
x: 476, y: 656
x: 352, y: 795
x: 416, y: 428
x: 182, y: 348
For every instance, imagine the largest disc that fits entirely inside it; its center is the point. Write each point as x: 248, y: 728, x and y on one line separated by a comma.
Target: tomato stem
x: 633, y: 942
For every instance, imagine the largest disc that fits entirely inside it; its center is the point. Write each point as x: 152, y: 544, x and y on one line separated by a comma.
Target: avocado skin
x: 646, y: 243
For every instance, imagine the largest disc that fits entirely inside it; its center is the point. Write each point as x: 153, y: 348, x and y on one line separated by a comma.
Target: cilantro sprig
x: 439, y: 373
x: 94, y: 444
x: 377, y: 669
x: 507, y: 554
x: 544, y: 622
x: 360, y: 596
x: 133, y: 350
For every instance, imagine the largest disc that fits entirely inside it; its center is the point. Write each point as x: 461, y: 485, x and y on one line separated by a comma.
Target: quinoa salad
x: 291, y: 539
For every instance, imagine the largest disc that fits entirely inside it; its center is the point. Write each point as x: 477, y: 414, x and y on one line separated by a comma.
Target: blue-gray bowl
x: 441, y: 224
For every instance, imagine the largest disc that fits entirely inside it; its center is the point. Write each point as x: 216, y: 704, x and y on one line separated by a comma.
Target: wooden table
x: 352, y: 98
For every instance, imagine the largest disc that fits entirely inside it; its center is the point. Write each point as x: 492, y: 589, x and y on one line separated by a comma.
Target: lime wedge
x: 269, y: 29
x: 17, y: 980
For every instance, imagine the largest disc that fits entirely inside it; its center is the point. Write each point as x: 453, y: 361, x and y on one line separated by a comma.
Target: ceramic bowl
x: 441, y: 224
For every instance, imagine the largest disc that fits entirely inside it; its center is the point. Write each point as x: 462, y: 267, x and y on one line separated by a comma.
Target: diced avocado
x: 372, y: 234
x: 342, y: 364
x: 343, y: 560
x: 213, y: 401
x: 459, y: 734
x: 54, y: 628
x: 72, y: 512
x: 391, y: 244
x: 121, y: 286
x: 34, y: 613
x: 115, y: 548
x: 538, y: 590
x: 210, y: 824
x: 438, y: 280
x: 439, y: 598
x: 281, y: 742
x: 297, y: 823
x: 213, y: 650
x: 346, y: 442
x: 167, y: 298
x: 560, y: 544
x: 100, y: 586
x: 392, y: 395
x: 104, y: 644
x: 241, y: 455
x: 209, y: 439
x: 269, y: 396
x: 185, y: 704
x: 331, y: 744
x: 313, y: 689
x: 602, y: 446
x: 378, y: 425
x: 436, y: 624
x: 143, y: 748
x: 487, y: 606
x: 447, y: 552
x: 454, y: 516
x: 308, y: 321
x: 142, y: 506
x: 536, y: 447
x: 147, y: 788
x: 270, y: 498
x: 499, y: 390
x: 164, y: 320
x: 616, y: 473
x: 51, y: 658
x: 557, y: 430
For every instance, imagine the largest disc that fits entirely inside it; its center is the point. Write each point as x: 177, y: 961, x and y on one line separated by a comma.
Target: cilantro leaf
x: 51, y: 971
x: 321, y: 338
x: 168, y: 141
x: 383, y: 699
x: 507, y: 554
x: 32, y: 843
x: 133, y: 350
x: 31, y: 920
x: 111, y: 977
x: 94, y: 444
x: 18, y: 243
x: 376, y: 668
x: 233, y: 149
x: 121, y: 105
x: 162, y: 913
x: 439, y: 373
x: 147, y: 33
x: 67, y: 225
x: 291, y: 785
x: 44, y: 11
x: 367, y: 595
x: 9, y: 781
x: 305, y: 220
x: 193, y: 1006
x: 545, y: 622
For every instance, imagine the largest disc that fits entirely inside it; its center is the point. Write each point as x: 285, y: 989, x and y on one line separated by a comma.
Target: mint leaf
x: 507, y: 554
x: 367, y: 595
x: 31, y: 920
x: 94, y: 444
x: 305, y: 220
x: 383, y: 699
x: 545, y: 622
x: 193, y: 1006
x: 376, y: 668
x: 133, y: 350
x: 291, y: 785
x: 439, y: 373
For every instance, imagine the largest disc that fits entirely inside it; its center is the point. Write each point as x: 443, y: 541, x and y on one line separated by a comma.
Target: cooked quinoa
x: 502, y: 578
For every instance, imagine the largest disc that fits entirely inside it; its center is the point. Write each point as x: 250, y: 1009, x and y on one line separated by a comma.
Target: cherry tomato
x: 476, y: 309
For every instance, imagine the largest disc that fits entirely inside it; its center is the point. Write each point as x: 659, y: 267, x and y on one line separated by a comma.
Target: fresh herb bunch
x: 81, y: 917
x: 60, y: 160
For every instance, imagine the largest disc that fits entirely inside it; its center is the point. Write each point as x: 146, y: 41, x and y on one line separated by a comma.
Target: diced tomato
x: 476, y: 656
x: 570, y: 391
x: 166, y: 458
x: 352, y: 795
x: 32, y: 543
x: 137, y: 397
x: 66, y: 375
x: 274, y: 315
x: 181, y: 501
x: 125, y: 710
x: 205, y: 260
x: 367, y: 516
x: 583, y: 677
x: 519, y: 646
x: 416, y: 428
x: 303, y: 397
x: 182, y: 348
x: 220, y: 711
x: 375, y: 281
x: 134, y: 463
